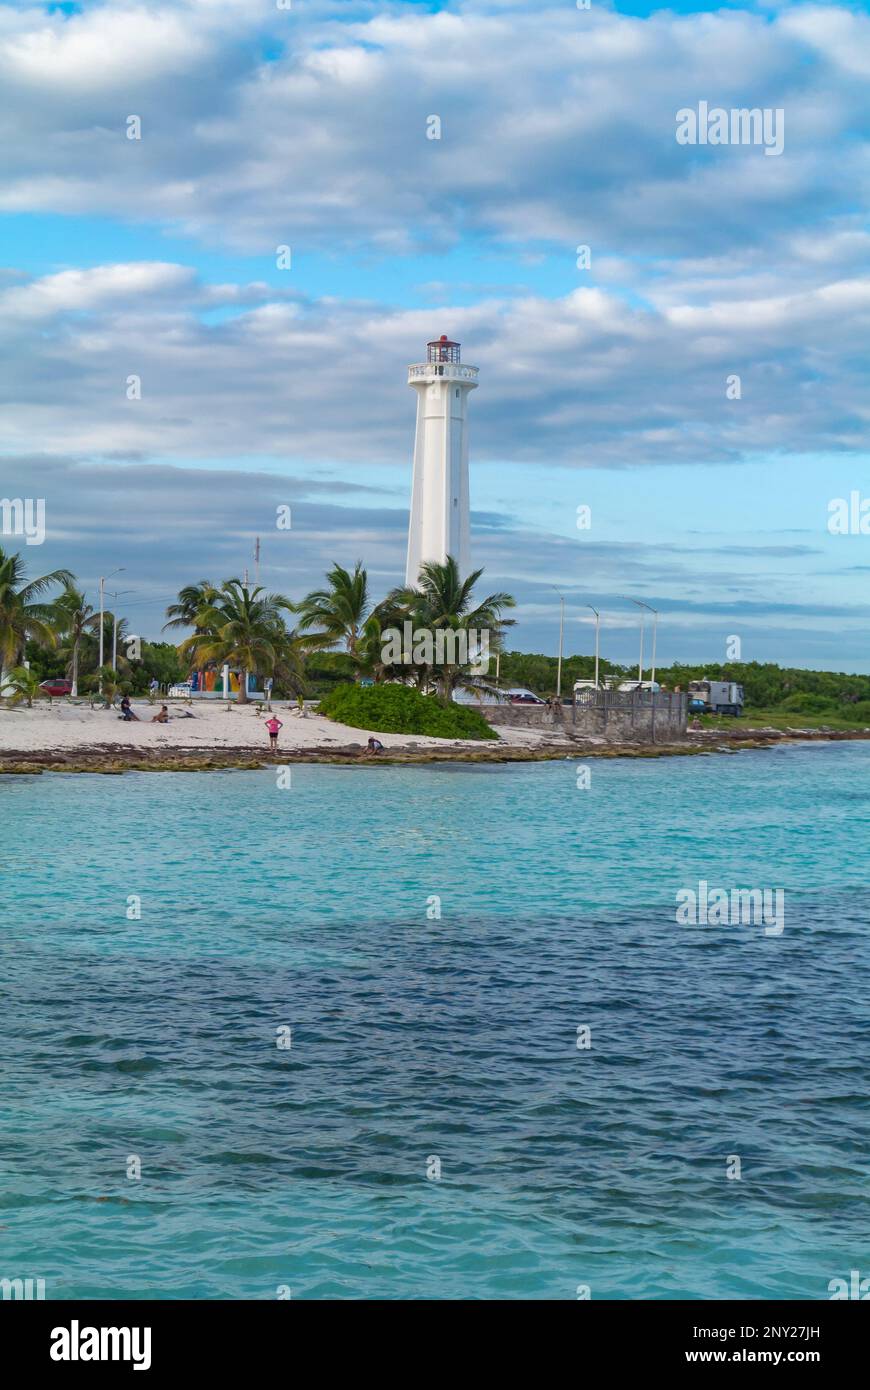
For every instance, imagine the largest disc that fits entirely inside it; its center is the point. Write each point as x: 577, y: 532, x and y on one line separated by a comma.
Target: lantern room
x: 442, y: 350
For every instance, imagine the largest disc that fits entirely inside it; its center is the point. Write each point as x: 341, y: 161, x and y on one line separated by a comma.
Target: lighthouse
x: 439, y: 524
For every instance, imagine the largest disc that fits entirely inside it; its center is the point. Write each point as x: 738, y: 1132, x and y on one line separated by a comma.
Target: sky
x: 697, y: 378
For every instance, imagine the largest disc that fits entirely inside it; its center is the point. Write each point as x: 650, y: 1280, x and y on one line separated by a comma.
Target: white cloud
x: 557, y: 123
x: 102, y: 286
x: 585, y: 379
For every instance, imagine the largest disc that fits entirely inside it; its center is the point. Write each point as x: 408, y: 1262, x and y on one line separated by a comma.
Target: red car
x: 56, y: 685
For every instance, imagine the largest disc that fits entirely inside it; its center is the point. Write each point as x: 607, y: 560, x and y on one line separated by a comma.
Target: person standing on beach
x: 273, y: 725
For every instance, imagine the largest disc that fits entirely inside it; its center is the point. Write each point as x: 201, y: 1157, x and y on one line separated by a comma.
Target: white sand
x: 61, y: 725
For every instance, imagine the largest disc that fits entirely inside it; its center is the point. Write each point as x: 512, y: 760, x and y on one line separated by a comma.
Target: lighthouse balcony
x: 452, y: 371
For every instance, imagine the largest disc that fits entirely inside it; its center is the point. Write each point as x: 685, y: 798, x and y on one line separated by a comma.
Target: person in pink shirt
x: 273, y: 725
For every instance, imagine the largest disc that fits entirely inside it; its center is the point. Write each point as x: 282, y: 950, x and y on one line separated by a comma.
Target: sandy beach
x: 76, y: 738
x: 64, y: 728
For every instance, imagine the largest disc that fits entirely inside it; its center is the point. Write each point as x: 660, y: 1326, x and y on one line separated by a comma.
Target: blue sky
x: 602, y: 386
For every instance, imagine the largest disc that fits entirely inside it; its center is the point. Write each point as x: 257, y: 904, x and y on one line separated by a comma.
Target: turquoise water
x: 417, y: 1038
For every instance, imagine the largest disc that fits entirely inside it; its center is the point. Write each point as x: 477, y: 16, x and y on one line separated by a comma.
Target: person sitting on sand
x: 162, y: 717
x: 127, y: 710
x: 375, y: 745
x: 273, y: 725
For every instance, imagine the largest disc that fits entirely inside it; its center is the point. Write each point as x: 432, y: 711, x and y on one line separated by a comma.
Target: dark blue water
x: 421, y: 1042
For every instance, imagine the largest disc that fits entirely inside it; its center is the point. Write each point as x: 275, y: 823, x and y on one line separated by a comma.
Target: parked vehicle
x: 520, y: 696
x: 715, y: 697
x: 629, y: 687
x: 56, y: 686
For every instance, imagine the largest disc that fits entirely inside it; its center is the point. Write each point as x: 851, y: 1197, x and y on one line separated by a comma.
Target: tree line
x: 49, y: 624
x: 334, y: 634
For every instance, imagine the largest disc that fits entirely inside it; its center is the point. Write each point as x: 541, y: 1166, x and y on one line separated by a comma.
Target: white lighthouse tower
x: 439, y: 493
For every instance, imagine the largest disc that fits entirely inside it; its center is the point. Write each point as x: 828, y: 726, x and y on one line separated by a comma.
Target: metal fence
x: 628, y: 699
x: 641, y: 710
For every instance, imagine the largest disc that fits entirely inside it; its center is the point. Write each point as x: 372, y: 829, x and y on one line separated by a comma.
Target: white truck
x: 715, y: 697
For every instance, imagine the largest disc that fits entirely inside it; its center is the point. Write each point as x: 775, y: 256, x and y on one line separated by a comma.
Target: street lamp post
x: 654, y: 611
x: 561, y: 636
x: 597, y: 628
x: 652, y: 674
x: 103, y: 578
x: 116, y: 596
x: 640, y: 659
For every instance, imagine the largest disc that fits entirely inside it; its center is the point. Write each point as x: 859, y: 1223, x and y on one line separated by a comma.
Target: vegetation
x: 768, y: 686
x: 49, y: 629
x: 191, y: 601
x: 23, y: 613
x: 442, y: 604
x: 106, y: 684
x: 539, y: 673
x: 19, y: 684
x: 339, y: 612
x: 772, y: 692
x: 244, y: 628
x: 400, y: 709
x: 75, y: 620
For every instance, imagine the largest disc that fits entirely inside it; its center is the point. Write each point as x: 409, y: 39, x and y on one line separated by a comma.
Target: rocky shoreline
x: 112, y: 760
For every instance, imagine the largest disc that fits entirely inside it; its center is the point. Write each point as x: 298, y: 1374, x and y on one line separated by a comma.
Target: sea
x: 437, y: 1031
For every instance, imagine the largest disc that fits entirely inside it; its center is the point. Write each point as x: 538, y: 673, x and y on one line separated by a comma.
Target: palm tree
x: 75, y: 619
x: 340, y: 610
x: 289, y: 668
x: 241, y: 628
x: 443, y: 600
x: 22, y: 614
x: 21, y: 684
x: 191, y: 600
x: 105, y: 685
x: 369, y: 656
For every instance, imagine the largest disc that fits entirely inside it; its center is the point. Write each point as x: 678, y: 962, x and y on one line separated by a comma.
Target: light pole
x: 597, y: 627
x: 650, y: 609
x: 640, y: 604
x: 640, y: 659
x: 103, y: 578
x: 561, y: 635
x: 116, y: 595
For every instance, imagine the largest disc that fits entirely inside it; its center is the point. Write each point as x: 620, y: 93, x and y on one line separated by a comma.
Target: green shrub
x: 805, y: 703
x: 398, y: 709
